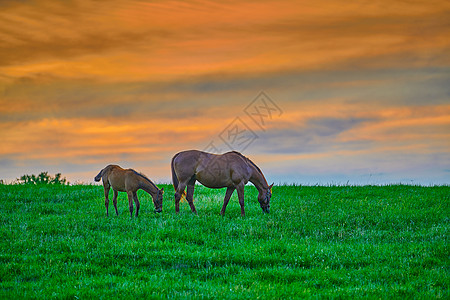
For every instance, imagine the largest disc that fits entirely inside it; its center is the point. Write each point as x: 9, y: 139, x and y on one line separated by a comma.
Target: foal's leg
x: 136, y: 201
x: 190, y: 196
x: 106, y: 187
x: 130, y: 202
x: 228, y: 194
x: 116, y: 193
x: 240, y: 192
x: 178, y: 193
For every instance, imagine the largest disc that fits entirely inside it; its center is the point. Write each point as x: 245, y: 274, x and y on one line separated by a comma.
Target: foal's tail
x: 99, y: 175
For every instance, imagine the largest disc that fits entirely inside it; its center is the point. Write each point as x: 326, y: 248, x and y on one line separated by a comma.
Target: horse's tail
x: 99, y: 175
x: 174, y: 175
x: 175, y: 178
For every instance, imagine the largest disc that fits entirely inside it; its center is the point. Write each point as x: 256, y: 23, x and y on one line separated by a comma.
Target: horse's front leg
x: 240, y: 192
x: 130, y: 202
x: 228, y: 194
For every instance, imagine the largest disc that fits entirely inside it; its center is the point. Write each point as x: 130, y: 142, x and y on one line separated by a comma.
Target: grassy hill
x: 336, y: 241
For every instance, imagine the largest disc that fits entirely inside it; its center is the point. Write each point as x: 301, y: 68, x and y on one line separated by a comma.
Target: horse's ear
x: 270, y: 187
x: 162, y: 190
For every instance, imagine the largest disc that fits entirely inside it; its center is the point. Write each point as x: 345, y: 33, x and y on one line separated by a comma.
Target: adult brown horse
x: 231, y: 170
x: 129, y: 181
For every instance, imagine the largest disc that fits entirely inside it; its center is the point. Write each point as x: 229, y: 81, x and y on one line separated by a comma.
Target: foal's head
x: 264, y: 199
x: 159, y: 200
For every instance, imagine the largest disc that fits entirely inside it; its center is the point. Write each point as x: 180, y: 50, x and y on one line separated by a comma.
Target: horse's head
x: 159, y: 200
x: 264, y: 199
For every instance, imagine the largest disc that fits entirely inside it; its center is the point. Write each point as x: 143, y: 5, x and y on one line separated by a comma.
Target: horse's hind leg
x: 190, y: 196
x: 178, y: 193
x: 116, y: 193
x: 130, y: 202
x: 136, y: 201
x: 106, y: 187
x: 228, y: 194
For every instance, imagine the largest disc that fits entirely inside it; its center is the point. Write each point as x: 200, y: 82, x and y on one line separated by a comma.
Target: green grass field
x: 345, y: 241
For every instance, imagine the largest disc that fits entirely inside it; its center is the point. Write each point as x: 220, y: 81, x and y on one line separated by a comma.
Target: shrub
x: 42, y: 178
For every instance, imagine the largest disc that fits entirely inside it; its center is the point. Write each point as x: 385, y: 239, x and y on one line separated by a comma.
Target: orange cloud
x: 128, y: 40
x: 69, y: 138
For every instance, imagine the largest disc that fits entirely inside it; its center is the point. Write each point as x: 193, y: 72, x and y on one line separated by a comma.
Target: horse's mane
x: 252, y: 163
x: 145, y: 177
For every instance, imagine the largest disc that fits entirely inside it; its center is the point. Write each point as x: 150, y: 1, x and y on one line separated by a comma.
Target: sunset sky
x: 327, y: 92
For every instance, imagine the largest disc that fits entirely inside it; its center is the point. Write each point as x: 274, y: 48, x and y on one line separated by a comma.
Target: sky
x: 322, y: 92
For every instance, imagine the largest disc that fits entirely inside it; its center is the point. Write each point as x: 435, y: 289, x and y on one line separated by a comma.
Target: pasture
x: 317, y: 241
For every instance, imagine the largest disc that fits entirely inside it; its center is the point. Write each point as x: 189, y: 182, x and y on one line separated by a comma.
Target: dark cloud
x: 67, y: 48
x: 314, y: 136
x: 44, y: 95
x: 66, y: 30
